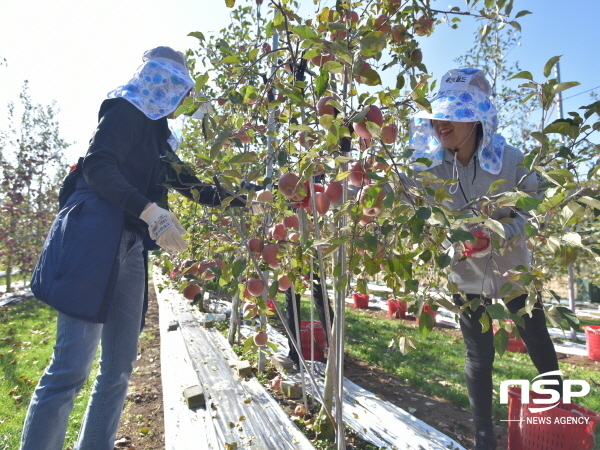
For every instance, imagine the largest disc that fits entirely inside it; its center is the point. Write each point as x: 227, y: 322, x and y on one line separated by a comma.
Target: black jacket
x: 128, y: 162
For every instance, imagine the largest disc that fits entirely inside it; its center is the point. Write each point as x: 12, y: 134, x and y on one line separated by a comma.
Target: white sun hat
x: 159, y: 84
x: 464, y: 96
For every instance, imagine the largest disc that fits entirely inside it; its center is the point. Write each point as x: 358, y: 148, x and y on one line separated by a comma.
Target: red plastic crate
x: 544, y: 431
x: 319, y: 341
x: 396, y: 308
x: 360, y: 300
x: 592, y: 340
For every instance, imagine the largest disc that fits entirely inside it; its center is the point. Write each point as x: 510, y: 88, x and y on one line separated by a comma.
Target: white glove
x: 482, y: 245
x: 164, y: 228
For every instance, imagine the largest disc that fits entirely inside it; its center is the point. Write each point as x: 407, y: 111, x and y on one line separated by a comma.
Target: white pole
x: 571, y: 276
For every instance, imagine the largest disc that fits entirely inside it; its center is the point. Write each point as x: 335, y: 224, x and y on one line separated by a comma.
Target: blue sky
x: 75, y: 52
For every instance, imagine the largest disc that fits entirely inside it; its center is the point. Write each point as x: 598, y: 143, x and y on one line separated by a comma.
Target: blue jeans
x: 75, y: 350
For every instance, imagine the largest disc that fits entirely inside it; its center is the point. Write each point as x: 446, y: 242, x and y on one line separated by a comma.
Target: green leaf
x: 425, y: 323
x: 460, y: 236
x: 230, y: 60
x: 273, y: 288
x: 373, y: 43
x: 595, y: 203
x: 484, y: 320
x: 501, y: 341
x: 370, y: 77
x: 243, y: 158
x: 333, y: 67
x: 523, y: 13
x: 524, y: 74
x: 304, y: 31
x: 496, y: 311
x: 423, y: 213
x: 505, y: 289
x: 496, y: 227
x: 400, y: 82
x: 569, y: 316
x: 494, y: 186
x: 321, y: 83
x: 253, y: 53
x: 200, y: 81
x: 516, y: 25
x: 550, y: 64
x: 282, y: 158
x: 443, y: 260
x: 423, y: 104
x: 528, y: 203
x: 559, y: 87
x: 197, y: 35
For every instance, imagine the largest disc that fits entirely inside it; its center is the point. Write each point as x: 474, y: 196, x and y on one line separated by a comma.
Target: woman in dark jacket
x: 93, y: 267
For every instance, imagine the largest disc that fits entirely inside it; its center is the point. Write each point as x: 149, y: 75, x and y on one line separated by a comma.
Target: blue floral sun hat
x: 464, y: 96
x: 159, y: 84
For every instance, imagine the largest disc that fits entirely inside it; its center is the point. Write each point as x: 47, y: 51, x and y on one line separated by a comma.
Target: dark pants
x: 317, y: 290
x: 480, y: 353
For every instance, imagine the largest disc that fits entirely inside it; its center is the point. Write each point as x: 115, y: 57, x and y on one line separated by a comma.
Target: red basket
x: 549, y: 430
x: 319, y: 340
x: 396, y: 309
x: 514, y: 345
x: 360, y: 300
x: 592, y: 340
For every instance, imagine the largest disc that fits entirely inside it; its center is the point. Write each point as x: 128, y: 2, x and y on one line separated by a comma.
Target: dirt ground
x: 142, y: 426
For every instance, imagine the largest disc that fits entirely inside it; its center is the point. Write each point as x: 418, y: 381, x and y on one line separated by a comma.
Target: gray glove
x: 164, y: 228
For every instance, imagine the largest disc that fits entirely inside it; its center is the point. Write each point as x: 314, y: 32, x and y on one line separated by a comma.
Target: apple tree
x: 298, y: 107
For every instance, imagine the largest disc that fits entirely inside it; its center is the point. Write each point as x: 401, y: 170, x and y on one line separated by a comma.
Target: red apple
x: 304, y: 141
x: 269, y: 253
x: 288, y: 184
x: 294, y: 237
x: 423, y: 26
x: 323, y: 108
x: 319, y: 60
x: 266, y: 47
x: 261, y: 338
x: 322, y: 203
x: 416, y: 55
x: 399, y: 34
x: 278, y: 232
x: 300, y: 411
x: 276, y: 383
x: 334, y: 190
x: 358, y: 176
x: 373, y: 115
x: 190, y: 291
x: 255, y: 286
x: 291, y: 222
x: 264, y: 196
x: 389, y: 133
x: 364, y: 144
x: 381, y: 23
x: 255, y: 245
x: 284, y: 282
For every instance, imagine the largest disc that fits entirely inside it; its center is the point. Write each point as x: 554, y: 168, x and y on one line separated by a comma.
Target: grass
x: 27, y: 334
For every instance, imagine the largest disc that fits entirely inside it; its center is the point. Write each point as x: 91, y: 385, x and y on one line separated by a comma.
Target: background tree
x: 31, y: 168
